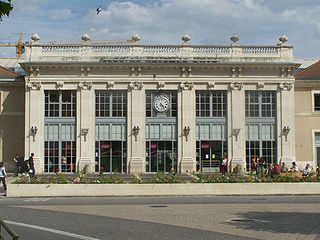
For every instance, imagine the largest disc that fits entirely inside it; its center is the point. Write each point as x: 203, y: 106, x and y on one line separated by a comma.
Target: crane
x: 19, y: 46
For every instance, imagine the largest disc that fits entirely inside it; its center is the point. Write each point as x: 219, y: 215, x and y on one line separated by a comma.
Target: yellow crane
x: 19, y: 46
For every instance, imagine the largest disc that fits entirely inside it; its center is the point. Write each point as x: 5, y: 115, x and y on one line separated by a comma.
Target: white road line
x: 37, y: 200
x: 52, y: 230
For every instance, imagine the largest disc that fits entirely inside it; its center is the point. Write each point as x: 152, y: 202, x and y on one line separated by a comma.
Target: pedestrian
x: 3, y: 175
x: 224, y: 165
x: 32, y: 172
x: 19, y: 164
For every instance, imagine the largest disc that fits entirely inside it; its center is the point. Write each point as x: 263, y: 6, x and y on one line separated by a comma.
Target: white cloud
x: 59, y: 14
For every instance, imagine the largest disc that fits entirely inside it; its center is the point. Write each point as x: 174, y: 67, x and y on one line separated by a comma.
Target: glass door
x: 209, y: 155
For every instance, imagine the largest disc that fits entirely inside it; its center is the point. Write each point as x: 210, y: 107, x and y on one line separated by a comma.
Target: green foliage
x: 5, y: 8
x: 165, y: 178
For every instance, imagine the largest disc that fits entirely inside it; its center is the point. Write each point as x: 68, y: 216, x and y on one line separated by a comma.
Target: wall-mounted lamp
x: 34, y: 131
x: 186, y: 132
x: 84, y: 132
x: 135, y: 132
x: 235, y: 132
x: 285, y: 131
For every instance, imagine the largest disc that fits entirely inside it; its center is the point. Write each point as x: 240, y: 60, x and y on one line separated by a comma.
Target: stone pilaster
x: 187, y: 142
x: 34, y: 124
x: 136, y: 118
x: 237, y: 131
x: 85, y: 126
x: 286, y: 120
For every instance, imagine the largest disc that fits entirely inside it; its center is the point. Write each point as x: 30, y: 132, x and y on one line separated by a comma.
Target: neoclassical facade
x: 132, y: 108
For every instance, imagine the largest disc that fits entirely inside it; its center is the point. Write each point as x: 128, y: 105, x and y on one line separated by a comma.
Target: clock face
x: 161, y: 103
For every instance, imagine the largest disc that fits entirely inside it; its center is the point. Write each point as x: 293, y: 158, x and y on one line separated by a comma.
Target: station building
x: 132, y: 108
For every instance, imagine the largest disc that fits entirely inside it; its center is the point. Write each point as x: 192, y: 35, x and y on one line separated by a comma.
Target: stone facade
x: 182, y: 72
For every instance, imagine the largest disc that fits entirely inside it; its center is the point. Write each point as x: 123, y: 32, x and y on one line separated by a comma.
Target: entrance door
x: 209, y: 155
x: 110, y: 156
x: 161, y: 156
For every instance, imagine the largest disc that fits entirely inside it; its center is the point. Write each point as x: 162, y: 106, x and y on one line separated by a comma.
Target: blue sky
x: 257, y: 22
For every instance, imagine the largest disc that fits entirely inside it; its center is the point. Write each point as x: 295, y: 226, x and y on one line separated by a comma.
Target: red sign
x: 105, y: 146
x: 153, y: 146
x: 205, y: 145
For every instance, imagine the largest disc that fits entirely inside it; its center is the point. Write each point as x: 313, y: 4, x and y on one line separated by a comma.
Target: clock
x: 161, y: 103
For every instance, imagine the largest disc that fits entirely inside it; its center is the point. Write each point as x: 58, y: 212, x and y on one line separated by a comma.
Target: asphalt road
x: 206, y: 217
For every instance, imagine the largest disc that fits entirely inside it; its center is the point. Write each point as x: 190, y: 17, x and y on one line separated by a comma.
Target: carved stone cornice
x: 110, y: 85
x: 34, y: 85
x: 260, y: 85
x: 210, y: 85
x: 135, y: 85
x: 161, y: 85
x: 186, y: 71
x: 85, y: 71
x: 286, y: 86
x: 186, y: 85
x: 236, y: 72
x: 59, y: 85
x: 136, y: 71
x: 85, y: 85
x: 236, y: 85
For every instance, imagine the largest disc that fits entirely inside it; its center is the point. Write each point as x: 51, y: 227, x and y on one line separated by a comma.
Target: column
x: 187, y: 128
x: 85, y: 127
x: 136, y: 128
x: 34, y: 124
x: 237, y: 131
x: 286, y: 123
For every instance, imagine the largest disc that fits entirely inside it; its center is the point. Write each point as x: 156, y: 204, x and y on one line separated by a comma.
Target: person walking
x: 3, y: 175
x: 31, y: 166
x: 19, y: 164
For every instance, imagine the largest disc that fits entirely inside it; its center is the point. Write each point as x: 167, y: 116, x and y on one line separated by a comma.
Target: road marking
x: 37, y: 200
x: 68, y: 234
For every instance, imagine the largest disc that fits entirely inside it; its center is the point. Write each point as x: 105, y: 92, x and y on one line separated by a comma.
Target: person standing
x: 19, y: 164
x: 224, y: 165
x: 3, y: 175
x: 31, y: 166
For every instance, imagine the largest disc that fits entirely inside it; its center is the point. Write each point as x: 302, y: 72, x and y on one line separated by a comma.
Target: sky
x: 212, y: 22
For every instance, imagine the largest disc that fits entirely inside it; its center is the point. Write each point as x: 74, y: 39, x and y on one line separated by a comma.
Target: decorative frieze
x: 34, y: 71
x: 135, y: 85
x: 161, y: 85
x: 286, y: 86
x: 286, y: 72
x: 136, y: 71
x: 236, y: 85
x: 236, y: 72
x: 110, y: 85
x: 260, y: 85
x: 85, y: 85
x: 210, y: 85
x: 186, y: 85
x: 85, y: 71
x: 59, y: 85
x: 186, y: 72
x: 34, y: 85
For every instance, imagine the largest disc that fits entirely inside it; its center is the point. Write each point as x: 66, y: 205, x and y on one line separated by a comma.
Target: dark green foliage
x: 5, y: 8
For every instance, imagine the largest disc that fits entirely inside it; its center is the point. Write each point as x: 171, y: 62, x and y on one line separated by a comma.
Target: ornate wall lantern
x: 34, y: 131
x: 186, y: 132
x: 235, y: 132
x: 84, y: 132
x: 135, y: 132
x: 285, y: 131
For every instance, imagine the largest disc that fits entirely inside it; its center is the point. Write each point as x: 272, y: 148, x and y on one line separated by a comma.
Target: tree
x: 5, y: 8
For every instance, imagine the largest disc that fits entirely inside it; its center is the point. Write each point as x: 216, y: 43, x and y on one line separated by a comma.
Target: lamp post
x: 34, y: 131
x: 135, y: 132
x: 186, y: 131
x: 285, y: 131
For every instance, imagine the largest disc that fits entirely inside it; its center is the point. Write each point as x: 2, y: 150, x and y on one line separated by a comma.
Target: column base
x: 136, y: 165
x: 85, y: 165
x: 187, y: 165
x: 237, y: 165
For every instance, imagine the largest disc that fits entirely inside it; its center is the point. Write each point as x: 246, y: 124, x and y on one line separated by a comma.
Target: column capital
x: 85, y: 85
x: 135, y: 85
x: 186, y: 85
x: 285, y: 86
x: 34, y: 85
x: 236, y: 85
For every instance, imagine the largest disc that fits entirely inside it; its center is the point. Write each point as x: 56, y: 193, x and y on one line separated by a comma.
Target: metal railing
x: 8, y: 230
